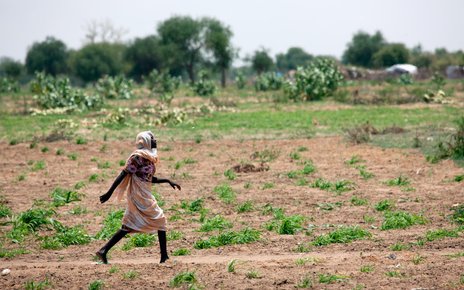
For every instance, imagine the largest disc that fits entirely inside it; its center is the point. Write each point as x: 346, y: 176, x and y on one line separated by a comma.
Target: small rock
x: 392, y: 256
x: 6, y: 272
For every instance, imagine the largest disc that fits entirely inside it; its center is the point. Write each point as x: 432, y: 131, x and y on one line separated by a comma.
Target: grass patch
x: 174, y: 235
x: 399, y: 247
x: 4, y: 210
x: 66, y: 236
x: 328, y: 206
x: 139, y: 240
x: 38, y: 165
x: 356, y: 201
x: 96, y: 285
x: 330, y: 278
x: 231, y: 266
x: 111, y: 225
x: 4, y: 253
x: 225, y: 193
x: 193, y: 206
x: 439, y: 234
x: 336, y: 187
x: 344, y: 234
x: 131, y: 274
x: 215, y: 223
x: 266, y: 155
x: 63, y: 196
x: 230, y: 174
x: 33, y: 285
x: 246, y: 206
x: 181, y: 252
x: 401, y: 220
x: 384, y: 205
x: 245, y: 236
x: 252, y: 274
x: 184, y: 278
x: 399, y: 181
x: 305, y: 282
x: 367, y: 268
x: 458, y: 214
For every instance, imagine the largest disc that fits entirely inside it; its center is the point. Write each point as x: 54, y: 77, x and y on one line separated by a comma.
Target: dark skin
x: 119, y: 179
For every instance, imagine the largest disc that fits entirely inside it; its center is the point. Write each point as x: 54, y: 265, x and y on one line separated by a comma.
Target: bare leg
x: 163, y: 246
x: 116, y: 238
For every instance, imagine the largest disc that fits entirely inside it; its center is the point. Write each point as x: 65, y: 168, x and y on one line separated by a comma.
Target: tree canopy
x: 293, y: 58
x: 49, y: 56
x: 261, y: 61
x: 144, y: 55
x: 360, y: 51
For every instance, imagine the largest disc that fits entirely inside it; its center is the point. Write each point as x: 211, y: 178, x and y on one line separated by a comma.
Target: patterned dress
x: 142, y: 213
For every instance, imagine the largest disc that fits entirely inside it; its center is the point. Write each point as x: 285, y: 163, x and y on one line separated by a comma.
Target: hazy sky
x: 320, y: 27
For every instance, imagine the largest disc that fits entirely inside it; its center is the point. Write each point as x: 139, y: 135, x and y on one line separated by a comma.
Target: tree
x: 361, y: 49
x: 144, y: 55
x: 183, y: 40
x: 391, y: 54
x: 10, y: 68
x: 49, y: 56
x: 104, y: 31
x: 95, y: 60
x: 261, y: 61
x: 293, y: 58
x: 218, y: 41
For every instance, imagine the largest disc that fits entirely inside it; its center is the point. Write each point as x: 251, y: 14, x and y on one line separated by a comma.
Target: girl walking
x: 142, y: 215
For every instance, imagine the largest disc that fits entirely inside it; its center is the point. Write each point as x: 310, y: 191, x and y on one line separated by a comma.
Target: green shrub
x: 181, y: 252
x: 215, y: 223
x: 400, y: 220
x: 111, y: 224
x: 399, y: 181
x: 225, y: 193
x: 204, y: 87
x: 139, y: 241
x: 245, y: 236
x: 230, y: 174
x: 4, y: 210
x: 384, y: 205
x: 186, y: 277
x: 52, y: 93
x: 358, y: 201
x: 12, y: 253
x: 344, y: 234
x: 193, y: 206
x: 63, y: 196
x: 8, y: 85
x: 439, y: 234
x: 38, y: 165
x: 96, y: 285
x: 458, y: 214
x: 66, y: 236
x: 240, y: 81
x: 247, y: 206
x: 117, y: 87
x: 320, y: 79
x: 269, y: 81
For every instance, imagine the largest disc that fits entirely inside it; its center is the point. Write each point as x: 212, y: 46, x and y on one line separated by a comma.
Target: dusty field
x: 274, y: 257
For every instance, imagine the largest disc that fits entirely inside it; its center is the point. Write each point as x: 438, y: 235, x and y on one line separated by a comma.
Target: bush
x: 345, y: 234
x: 8, y: 85
x: 204, y: 87
x: 117, y: 87
x: 65, y: 237
x: 401, y: 220
x: 62, y: 196
x: 317, y: 81
x: 269, y: 81
x: 52, y: 93
x: 162, y: 83
x: 454, y: 148
x: 240, y: 81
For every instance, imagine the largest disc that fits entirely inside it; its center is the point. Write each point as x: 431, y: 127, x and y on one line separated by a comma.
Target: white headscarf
x: 143, y: 143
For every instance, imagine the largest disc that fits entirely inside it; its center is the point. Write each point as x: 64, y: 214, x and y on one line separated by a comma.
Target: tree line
x: 183, y: 45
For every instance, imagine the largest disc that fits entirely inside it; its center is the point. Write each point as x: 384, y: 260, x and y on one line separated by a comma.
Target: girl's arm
x: 160, y: 180
x: 116, y: 182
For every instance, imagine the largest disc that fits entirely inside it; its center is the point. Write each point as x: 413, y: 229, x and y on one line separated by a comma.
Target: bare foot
x: 163, y: 259
x: 102, y: 257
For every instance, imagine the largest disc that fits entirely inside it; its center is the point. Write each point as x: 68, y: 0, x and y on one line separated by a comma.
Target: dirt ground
x: 431, y: 192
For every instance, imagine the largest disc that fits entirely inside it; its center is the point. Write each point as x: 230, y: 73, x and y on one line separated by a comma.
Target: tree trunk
x: 191, y: 74
x: 223, y: 77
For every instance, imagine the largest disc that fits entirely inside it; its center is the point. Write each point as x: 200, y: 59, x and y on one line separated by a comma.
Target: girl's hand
x: 174, y: 185
x: 104, y: 198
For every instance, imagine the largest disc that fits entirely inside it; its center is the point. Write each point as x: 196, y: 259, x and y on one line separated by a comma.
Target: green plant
x: 174, y: 235
x: 329, y: 205
x: 117, y: 87
x: 44, y: 149
x: 394, y: 274
x: 181, y: 252
x: 30, y: 221
x: 317, y: 81
x: 225, y: 193
x: 399, y: 181
x: 365, y: 174
x: 204, y: 87
x: 268, y: 81
x: 52, y: 93
x: 63, y: 196
x: 295, y: 156
x: 252, y: 274
x: 266, y: 155
x: 111, y: 224
x: 330, y: 278
x: 268, y: 185
x: 244, y: 236
x: 78, y: 210
x: 231, y: 266
x: 344, y: 234
x: 230, y: 174
x: 4, y: 210
x: 458, y: 214
x: 32, y: 285
x: 354, y: 160
x: 72, y: 156
x: 358, y: 201
x: 367, y: 268
x: 66, y: 236
x: 4, y: 253
x: 398, y: 247
x: 247, y: 206
x: 139, y: 240
x: 417, y: 259
x: 131, y: 274
x: 113, y: 269
x: 305, y: 282
x: 305, y: 260
x: 38, y: 165
x: 400, y: 220
x: 81, y: 140
x: 439, y: 234
x: 215, y: 223
x: 96, y: 285
x: 459, y: 178
x: 95, y: 177
x: 384, y: 205
x: 186, y: 277
x: 59, y: 151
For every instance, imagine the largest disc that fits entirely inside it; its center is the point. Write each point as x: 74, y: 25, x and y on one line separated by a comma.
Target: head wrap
x: 143, y: 143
